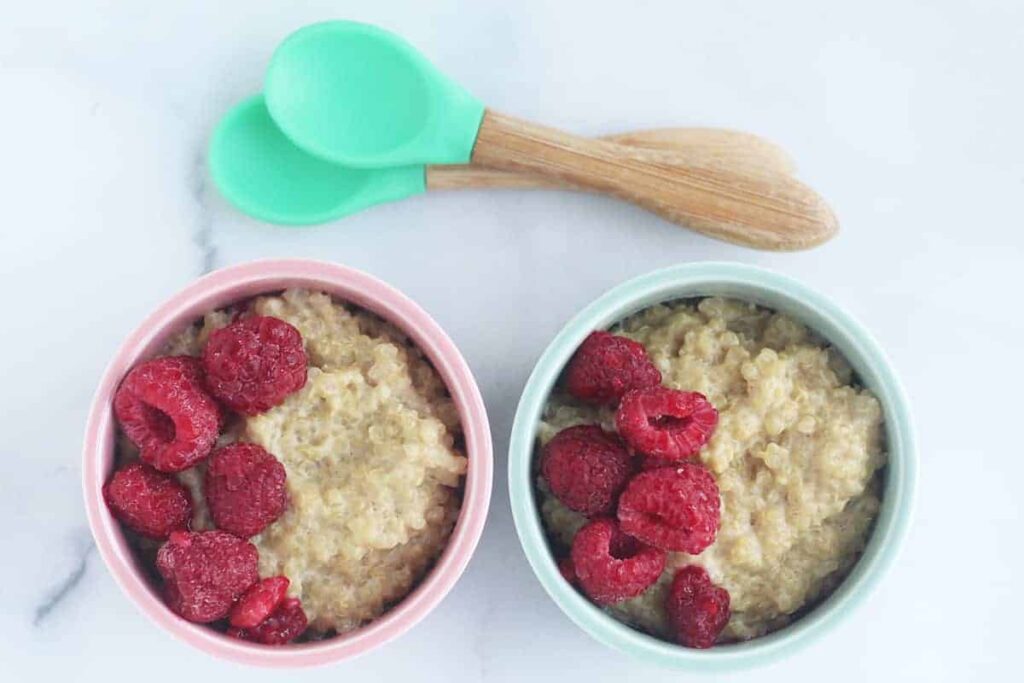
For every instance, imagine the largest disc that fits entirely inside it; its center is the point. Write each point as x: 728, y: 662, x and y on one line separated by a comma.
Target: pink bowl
x: 233, y: 284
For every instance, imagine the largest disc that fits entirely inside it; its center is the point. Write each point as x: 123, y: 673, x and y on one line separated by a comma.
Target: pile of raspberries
x: 643, y: 488
x: 173, y: 408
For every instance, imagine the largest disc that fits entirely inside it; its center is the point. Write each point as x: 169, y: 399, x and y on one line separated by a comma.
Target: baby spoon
x: 261, y: 172
x: 359, y: 96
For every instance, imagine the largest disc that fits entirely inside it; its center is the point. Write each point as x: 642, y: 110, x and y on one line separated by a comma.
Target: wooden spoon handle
x: 759, y: 210
x: 721, y: 146
x: 729, y: 149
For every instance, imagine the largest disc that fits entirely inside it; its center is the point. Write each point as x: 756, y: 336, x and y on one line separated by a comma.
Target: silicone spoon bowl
x: 360, y: 96
x: 264, y: 174
x: 261, y: 172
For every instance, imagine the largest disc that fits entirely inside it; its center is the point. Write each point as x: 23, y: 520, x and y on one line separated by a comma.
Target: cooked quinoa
x: 797, y: 455
x: 369, y: 446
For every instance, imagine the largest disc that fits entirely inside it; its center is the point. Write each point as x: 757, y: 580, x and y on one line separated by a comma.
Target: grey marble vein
x: 203, y: 236
x: 65, y: 588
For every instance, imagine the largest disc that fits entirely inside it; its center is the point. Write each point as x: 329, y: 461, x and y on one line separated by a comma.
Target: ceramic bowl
x: 782, y: 294
x: 234, y: 284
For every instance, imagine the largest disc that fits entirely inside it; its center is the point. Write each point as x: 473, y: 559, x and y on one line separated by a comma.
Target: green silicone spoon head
x: 361, y: 96
x: 265, y: 175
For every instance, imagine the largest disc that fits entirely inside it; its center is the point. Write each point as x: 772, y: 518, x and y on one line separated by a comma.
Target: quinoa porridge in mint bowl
x: 287, y: 464
x: 710, y: 465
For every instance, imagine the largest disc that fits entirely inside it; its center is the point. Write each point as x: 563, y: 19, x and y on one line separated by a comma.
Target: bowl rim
x: 781, y: 293
x: 239, y: 282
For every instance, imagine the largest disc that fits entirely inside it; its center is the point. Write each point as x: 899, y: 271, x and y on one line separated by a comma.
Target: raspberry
x: 244, y: 488
x: 666, y: 424
x: 206, y: 572
x: 254, y: 363
x: 698, y: 610
x: 258, y: 602
x: 675, y: 508
x: 567, y: 570
x: 148, y: 502
x: 586, y: 468
x: 285, y: 624
x: 606, y: 366
x: 611, y: 566
x: 240, y: 633
x: 165, y: 411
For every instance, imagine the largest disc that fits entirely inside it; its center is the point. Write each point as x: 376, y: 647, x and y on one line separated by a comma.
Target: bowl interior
x: 235, y: 284
x: 773, y: 291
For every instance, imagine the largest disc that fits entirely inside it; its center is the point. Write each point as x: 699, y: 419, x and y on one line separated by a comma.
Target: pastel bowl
x: 774, y: 291
x: 233, y: 284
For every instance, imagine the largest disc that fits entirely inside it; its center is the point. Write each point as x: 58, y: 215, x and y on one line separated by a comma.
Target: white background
x: 908, y: 116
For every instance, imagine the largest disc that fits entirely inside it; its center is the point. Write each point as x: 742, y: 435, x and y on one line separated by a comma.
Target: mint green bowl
x: 782, y: 294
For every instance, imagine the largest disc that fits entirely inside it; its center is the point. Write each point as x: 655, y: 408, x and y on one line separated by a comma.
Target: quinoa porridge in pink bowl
x: 287, y: 453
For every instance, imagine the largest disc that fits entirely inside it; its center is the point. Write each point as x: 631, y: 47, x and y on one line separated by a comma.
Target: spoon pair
x: 354, y: 116
x: 264, y: 174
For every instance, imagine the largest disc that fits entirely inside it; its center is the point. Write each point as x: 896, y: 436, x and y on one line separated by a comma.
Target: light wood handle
x: 716, y: 146
x: 756, y: 209
x: 729, y: 149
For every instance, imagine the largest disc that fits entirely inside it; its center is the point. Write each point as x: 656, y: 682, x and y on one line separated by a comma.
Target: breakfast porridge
x: 796, y: 454
x: 368, y: 439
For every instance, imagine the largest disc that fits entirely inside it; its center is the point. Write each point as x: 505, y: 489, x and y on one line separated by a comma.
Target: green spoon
x: 261, y: 172
x: 362, y: 97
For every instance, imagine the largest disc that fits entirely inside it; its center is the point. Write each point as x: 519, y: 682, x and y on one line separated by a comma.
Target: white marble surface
x: 906, y: 115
